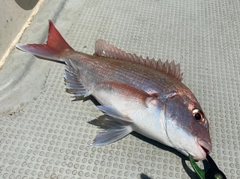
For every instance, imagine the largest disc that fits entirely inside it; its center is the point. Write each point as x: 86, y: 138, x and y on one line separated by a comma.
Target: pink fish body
x: 136, y: 94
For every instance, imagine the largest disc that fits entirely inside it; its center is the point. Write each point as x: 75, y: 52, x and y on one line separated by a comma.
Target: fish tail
x: 52, y: 50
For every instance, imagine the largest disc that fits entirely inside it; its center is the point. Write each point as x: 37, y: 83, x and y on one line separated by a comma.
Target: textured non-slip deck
x: 43, y: 134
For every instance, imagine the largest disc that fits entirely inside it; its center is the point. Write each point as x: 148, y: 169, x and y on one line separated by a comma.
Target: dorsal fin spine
x: 104, y: 49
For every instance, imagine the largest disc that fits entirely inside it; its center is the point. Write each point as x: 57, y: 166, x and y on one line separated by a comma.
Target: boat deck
x: 44, y: 134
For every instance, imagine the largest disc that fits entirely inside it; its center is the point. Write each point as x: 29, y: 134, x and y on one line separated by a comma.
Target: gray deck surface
x: 43, y: 134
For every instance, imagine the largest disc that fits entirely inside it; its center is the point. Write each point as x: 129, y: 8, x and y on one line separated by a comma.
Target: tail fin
x: 55, y: 45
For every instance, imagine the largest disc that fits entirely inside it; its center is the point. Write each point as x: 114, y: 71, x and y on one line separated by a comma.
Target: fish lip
x: 205, y: 146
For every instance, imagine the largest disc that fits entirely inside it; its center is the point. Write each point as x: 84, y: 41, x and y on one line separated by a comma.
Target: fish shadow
x: 159, y: 145
x: 184, y: 158
x: 91, y: 98
x: 143, y: 176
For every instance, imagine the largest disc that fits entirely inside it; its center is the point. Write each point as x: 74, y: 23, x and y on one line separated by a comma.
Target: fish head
x: 187, y: 127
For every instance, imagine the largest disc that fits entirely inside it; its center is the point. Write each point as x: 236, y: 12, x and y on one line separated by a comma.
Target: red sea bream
x: 136, y: 94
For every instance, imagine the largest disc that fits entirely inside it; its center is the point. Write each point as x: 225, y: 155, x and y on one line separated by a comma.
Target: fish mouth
x: 205, y: 146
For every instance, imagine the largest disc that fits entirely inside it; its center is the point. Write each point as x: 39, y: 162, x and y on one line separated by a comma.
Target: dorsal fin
x: 104, y: 49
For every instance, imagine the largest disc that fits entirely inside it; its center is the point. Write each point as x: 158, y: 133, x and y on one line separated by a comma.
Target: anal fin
x: 108, y: 136
x: 113, y: 130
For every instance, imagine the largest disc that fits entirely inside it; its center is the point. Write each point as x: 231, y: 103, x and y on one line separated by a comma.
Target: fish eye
x: 198, y: 115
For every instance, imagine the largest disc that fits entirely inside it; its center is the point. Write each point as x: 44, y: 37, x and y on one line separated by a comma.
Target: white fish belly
x: 148, y: 120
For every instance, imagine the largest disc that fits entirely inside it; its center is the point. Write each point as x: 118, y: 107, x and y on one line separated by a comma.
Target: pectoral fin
x: 110, y: 111
x: 125, y: 94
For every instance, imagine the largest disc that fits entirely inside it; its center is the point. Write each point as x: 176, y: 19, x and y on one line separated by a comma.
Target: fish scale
x: 124, y: 72
x: 135, y: 94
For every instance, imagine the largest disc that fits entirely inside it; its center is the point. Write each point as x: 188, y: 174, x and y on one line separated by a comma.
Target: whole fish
x: 136, y: 94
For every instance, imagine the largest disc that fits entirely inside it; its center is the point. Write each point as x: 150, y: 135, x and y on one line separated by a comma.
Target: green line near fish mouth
x: 212, y: 173
x: 196, y: 168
